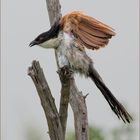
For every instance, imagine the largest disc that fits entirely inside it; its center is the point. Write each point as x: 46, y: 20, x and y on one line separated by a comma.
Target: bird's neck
x: 52, y: 43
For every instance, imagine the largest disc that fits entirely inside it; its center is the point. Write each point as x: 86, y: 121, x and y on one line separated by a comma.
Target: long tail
x: 117, y: 107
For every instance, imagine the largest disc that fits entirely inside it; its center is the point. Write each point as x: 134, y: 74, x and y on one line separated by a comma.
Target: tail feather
x: 117, y: 107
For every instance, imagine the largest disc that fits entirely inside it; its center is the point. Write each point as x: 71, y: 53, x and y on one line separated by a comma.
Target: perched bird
x: 70, y: 36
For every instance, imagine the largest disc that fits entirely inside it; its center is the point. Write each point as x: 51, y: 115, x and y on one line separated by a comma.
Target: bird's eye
x: 40, y: 38
x: 37, y: 39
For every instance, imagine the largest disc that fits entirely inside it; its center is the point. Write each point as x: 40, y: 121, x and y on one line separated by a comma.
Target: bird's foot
x: 65, y: 72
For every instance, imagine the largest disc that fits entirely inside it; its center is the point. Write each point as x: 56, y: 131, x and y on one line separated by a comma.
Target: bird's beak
x: 33, y: 43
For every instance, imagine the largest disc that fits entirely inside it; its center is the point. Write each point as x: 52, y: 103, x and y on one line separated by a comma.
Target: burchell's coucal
x: 69, y: 37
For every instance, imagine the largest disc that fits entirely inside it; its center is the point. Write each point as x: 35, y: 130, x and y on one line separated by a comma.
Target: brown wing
x: 88, y: 31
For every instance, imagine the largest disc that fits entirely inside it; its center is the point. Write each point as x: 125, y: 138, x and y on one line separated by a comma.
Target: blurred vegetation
x: 33, y: 134
x: 124, y: 132
x: 96, y: 133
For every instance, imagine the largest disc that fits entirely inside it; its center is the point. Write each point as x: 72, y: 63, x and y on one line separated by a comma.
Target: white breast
x: 62, y: 50
x: 70, y: 55
x: 52, y: 43
x: 60, y: 43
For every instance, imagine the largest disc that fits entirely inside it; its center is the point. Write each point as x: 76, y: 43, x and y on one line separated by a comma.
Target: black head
x: 52, y: 33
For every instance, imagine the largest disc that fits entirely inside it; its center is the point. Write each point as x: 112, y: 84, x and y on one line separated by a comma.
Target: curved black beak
x: 33, y: 43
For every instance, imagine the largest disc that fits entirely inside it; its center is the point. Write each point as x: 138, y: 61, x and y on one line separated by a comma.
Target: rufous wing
x: 88, y: 31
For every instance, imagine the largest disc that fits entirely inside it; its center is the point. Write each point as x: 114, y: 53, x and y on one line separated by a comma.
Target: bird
x: 70, y: 36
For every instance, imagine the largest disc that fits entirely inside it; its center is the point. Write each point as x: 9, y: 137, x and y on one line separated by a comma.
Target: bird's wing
x: 87, y: 31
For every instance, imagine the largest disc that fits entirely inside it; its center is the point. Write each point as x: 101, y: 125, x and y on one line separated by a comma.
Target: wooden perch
x: 54, y: 10
x: 65, y: 75
x: 76, y: 98
x: 77, y: 102
x: 57, y: 120
x: 47, y: 101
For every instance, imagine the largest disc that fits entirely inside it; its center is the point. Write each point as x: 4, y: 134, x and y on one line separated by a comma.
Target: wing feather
x: 88, y: 31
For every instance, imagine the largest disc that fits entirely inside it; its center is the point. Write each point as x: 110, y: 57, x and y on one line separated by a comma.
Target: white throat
x: 52, y: 43
x: 68, y: 54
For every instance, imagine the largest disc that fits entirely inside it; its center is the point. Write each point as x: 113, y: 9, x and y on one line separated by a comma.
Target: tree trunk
x: 69, y: 93
x: 77, y: 100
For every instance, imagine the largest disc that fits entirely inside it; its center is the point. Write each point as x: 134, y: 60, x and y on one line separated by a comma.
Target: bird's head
x: 39, y: 39
x: 47, y: 39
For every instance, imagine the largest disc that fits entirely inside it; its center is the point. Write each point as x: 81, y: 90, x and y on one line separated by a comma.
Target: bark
x: 65, y: 77
x: 78, y: 104
x: 57, y: 120
x: 47, y: 101
x: 77, y: 100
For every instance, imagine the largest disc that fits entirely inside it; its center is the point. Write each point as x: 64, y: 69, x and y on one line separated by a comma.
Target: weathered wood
x: 76, y: 98
x: 78, y: 104
x: 54, y: 10
x: 65, y: 75
x: 47, y: 101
